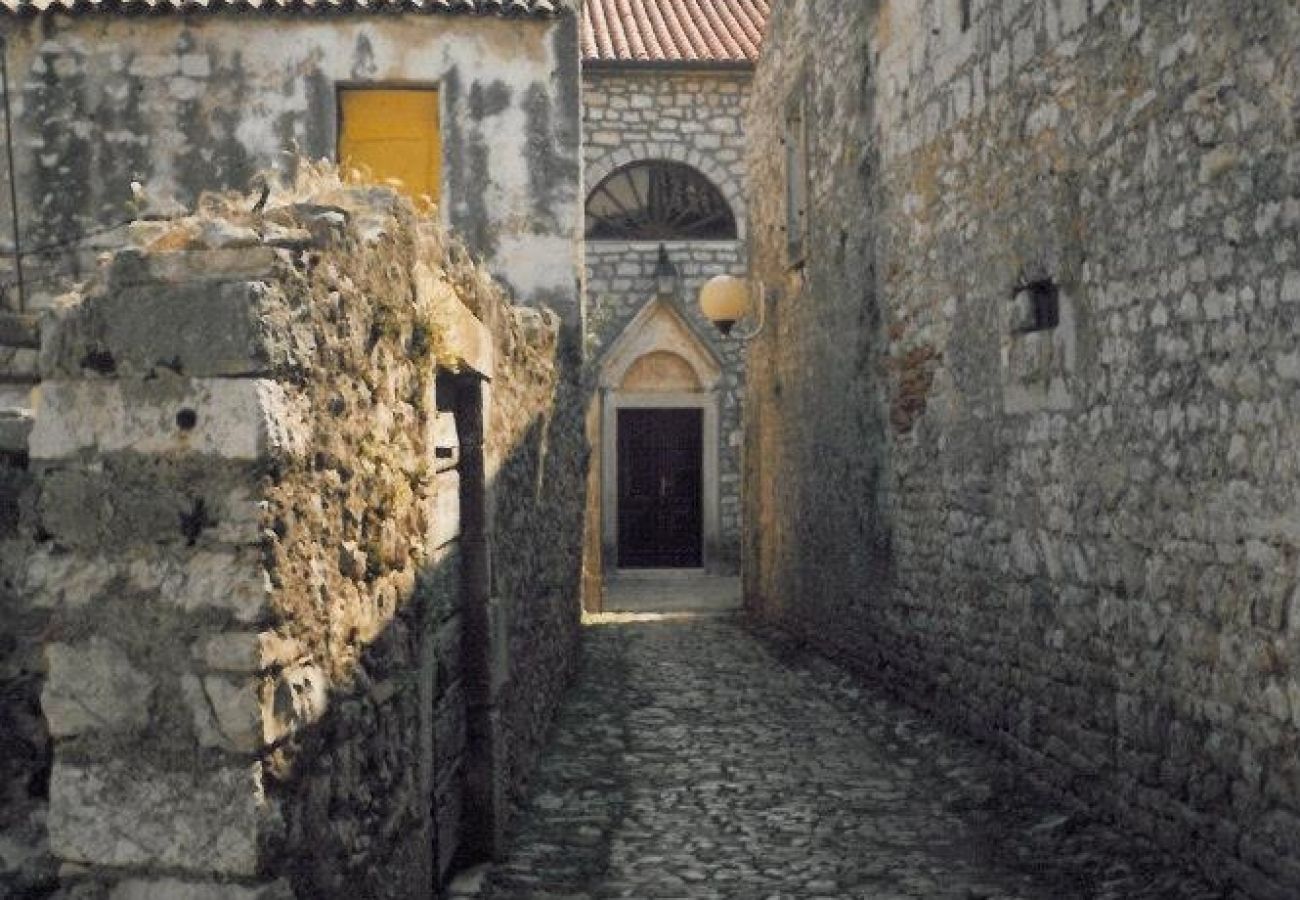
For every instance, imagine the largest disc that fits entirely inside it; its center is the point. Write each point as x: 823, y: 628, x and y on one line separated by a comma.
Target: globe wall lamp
x: 726, y: 299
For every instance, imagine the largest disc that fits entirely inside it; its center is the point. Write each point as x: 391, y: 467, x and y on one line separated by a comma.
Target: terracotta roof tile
x: 528, y: 8
x: 668, y: 31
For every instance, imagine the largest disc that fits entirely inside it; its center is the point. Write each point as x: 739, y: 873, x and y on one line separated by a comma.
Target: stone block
x: 469, y: 339
x: 1291, y: 287
x: 197, y: 329
x: 239, y: 651
x: 15, y: 430
x: 226, y: 713
x: 128, y: 501
x: 93, y: 687
x: 247, y: 651
x: 298, y: 698
x: 235, y: 419
x: 241, y: 512
x: 204, y: 581
x: 445, y: 525
x: 131, y: 267
x: 15, y: 395
x: 174, y: 889
x: 18, y: 364
x: 19, y: 330
x: 68, y: 580
x: 230, y: 581
x: 130, y: 814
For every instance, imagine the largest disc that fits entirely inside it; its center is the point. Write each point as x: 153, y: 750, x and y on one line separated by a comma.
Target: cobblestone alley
x: 695, y: 759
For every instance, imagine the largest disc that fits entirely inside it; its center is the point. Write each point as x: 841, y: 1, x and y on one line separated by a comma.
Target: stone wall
x: 694, y: 117
x: 26, y: 866
x: 535, y: 457
x: 1078, y: 540
x: 187, y: 103
x: 274, y: 536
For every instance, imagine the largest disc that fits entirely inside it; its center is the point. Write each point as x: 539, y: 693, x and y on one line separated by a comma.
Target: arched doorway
x: 659, y: 445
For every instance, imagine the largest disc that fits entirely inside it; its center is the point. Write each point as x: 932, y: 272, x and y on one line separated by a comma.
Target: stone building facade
x: 181, y: 100
x: 1021, y: 433
x: 655, y: 96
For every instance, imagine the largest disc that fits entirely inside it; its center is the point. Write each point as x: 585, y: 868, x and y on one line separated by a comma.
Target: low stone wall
x: 263, y: 465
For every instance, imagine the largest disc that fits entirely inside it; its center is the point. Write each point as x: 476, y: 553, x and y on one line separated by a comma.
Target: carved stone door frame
x: 659, y: 362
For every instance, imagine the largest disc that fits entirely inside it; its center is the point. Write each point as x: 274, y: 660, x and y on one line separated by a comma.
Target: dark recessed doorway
x: 660, y: 488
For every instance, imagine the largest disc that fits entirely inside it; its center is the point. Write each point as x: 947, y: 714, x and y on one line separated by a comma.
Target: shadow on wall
x: 308, y: 507
x: 444, y: 735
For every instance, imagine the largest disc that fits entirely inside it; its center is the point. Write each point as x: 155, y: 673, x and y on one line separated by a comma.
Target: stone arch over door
x: 659, y: 363
x: 651, y: 151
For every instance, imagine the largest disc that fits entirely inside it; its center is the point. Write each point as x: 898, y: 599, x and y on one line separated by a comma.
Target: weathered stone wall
x: 536, y: 456
x: 694, y: 117
x: 1080, y: 541
x: 26, y: 866
x: 186, y: 103
x: 263, y: 459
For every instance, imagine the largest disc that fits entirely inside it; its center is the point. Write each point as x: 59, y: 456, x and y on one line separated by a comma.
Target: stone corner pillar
x: 160, y: 410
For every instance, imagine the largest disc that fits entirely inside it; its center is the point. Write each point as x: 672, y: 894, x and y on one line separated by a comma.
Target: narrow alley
x: 696, y: 758
x: 688, y: 449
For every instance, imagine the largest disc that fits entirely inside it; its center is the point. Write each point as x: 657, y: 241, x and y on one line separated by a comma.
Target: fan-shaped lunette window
x: 658, y: 201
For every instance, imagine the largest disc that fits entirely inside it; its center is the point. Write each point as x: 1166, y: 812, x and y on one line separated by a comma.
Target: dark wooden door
x: 660, y: 488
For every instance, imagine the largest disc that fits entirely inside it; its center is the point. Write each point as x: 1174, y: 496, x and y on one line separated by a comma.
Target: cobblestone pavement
x: 695, y: 759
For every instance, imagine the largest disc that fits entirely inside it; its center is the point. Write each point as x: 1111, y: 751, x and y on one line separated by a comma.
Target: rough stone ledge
x: 132, y: 267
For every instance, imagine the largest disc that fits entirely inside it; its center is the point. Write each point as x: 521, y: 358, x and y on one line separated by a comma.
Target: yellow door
x: 394, y: 133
